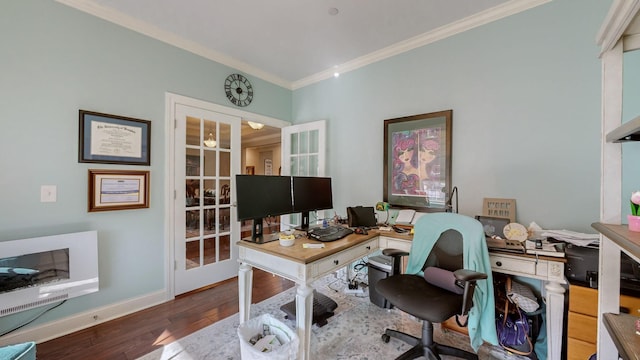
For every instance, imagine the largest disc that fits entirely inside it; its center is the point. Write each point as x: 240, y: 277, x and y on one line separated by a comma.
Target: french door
x: 207, y: 156
x: 303, y: 154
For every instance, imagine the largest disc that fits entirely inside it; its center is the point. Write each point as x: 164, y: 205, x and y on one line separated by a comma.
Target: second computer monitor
x: 311, y: 194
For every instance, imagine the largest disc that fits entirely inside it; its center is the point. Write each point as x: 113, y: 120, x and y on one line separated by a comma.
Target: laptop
x: 361, y: 216
x: 493, y: 232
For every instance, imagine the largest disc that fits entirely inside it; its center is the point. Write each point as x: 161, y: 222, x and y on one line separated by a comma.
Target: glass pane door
x: 204, y: 243
x: 303, y: 153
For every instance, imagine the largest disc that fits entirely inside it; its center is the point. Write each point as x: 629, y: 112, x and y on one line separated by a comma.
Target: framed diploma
x: 118, y: 189
x: 110, y: 139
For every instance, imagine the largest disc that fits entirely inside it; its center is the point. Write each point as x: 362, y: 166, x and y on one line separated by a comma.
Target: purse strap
x: 504, y: 322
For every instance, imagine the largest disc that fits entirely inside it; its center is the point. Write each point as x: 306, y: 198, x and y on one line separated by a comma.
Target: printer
x: 582, y: 268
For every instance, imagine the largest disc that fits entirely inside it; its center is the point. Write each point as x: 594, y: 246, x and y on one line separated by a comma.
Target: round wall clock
x: 238, y: 89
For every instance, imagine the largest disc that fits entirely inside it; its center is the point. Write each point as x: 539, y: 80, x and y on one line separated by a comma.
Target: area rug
x: 354, y: 332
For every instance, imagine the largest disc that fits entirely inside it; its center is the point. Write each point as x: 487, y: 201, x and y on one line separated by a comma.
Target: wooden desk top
x: 299, y: 254
x: 305, y: 256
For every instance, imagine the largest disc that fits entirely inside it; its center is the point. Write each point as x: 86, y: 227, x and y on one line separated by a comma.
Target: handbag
x: 512, y: 327
x: 522, y: 296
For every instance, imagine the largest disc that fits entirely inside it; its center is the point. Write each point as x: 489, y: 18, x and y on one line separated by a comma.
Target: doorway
x: 206, y: 144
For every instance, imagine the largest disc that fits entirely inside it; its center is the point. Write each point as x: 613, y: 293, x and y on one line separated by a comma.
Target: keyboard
x: 330, y: 233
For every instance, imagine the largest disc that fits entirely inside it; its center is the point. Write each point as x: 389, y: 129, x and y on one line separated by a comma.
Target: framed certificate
x: 110, y: 139
x: 118, y: 189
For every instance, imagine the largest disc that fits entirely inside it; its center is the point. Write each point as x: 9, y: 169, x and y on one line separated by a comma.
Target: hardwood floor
x: 134, y: 335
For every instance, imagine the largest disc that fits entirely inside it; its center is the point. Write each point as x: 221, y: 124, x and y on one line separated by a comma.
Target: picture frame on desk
x: 417, y: 161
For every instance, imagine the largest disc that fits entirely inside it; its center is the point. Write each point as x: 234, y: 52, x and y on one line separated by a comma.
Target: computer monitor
x: 260, y: 196
x: 311, y: 194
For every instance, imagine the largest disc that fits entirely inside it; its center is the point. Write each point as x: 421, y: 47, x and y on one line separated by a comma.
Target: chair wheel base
x: 385, y: 338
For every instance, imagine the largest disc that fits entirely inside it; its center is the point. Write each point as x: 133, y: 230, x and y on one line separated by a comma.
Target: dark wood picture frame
x: 417, y: 161
x: 118, y: 190
x: 111, y: 139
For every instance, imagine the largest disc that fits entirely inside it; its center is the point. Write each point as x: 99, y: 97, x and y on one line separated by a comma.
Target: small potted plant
x: 634, y: 217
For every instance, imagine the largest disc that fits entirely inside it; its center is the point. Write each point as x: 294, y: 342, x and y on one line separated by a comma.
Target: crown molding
x: 498, y: 12
x: 618, y: 18
x: 154, y: 32
x: 481, y: 18
x: 620, y: 15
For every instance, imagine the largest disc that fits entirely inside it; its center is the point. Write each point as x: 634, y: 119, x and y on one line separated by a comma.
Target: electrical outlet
x: 48, y: 193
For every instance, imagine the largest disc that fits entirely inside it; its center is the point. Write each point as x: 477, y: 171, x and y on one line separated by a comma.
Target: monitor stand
x: 257, y: 235
x: 304, y: 226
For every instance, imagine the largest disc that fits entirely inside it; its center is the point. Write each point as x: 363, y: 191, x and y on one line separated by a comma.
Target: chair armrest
x: 469, y: 275
x: 396, y: 254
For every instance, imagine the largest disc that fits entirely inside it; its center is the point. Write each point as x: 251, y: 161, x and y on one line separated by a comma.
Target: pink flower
x: 635, y: 203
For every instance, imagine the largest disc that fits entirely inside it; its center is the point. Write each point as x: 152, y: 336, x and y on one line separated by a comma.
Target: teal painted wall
x: 56, y: 60
x: 525, y: 93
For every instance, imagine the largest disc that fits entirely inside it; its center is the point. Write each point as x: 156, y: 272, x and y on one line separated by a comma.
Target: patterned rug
x: 352, y: 333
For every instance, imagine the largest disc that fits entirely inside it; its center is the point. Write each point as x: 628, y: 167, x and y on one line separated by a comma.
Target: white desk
x: 303, y: 266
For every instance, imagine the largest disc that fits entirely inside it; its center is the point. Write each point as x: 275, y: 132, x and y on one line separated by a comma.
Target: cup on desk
x: 287, y: 238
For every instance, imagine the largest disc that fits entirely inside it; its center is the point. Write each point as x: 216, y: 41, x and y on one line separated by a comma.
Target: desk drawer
x: 582, y: 327
x: 391, y: 243
x: 630, y: 303
x: 520, y: 266
x: 346, y: 257
x: 583, y: 300
x: 579, y: 350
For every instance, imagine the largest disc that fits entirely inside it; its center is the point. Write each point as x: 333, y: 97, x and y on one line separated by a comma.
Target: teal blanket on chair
x: 476, y: 257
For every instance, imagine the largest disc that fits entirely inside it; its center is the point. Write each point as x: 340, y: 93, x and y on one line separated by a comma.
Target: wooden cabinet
x: 582, y: 323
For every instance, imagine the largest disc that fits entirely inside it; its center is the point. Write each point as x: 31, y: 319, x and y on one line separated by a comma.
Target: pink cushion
x: 443, y: 279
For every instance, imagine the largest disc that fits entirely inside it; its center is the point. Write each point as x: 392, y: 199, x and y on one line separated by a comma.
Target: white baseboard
x: 68, y: 325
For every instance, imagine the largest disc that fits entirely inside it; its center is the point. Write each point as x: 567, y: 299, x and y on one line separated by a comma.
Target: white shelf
x: 629, y: 131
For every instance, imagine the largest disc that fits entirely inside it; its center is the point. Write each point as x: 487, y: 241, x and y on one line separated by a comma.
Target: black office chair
x: 419, y: 295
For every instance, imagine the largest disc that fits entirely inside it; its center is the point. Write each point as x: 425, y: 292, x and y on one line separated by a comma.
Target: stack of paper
x: 572, y: 237
x: 405, y: 217
x: 548, y: 249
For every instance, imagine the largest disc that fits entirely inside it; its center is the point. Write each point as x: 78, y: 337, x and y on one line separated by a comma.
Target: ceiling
x: 294, y: 43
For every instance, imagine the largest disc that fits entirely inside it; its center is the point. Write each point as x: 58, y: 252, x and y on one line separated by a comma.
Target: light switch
x: 48, y: 193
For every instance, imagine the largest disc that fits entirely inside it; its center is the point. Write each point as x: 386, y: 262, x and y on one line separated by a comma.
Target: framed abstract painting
x: 417, y: 161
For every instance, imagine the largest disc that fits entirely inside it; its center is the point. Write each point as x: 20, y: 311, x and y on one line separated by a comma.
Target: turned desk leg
x: 304, y: 314
x: 555, y: 315
x: 245, y: 285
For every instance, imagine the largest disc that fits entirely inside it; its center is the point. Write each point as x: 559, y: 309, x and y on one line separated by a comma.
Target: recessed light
x: 336, y: 74
x: 333, y: 11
